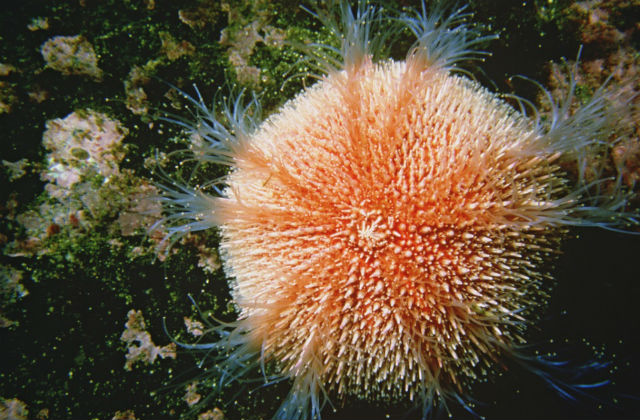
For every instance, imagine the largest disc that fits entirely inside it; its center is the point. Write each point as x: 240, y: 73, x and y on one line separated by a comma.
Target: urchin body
x: 376, y: 234
x: 388, y: 232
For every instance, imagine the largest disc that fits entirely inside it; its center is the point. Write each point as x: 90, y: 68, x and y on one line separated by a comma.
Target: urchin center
x: 368, y: 228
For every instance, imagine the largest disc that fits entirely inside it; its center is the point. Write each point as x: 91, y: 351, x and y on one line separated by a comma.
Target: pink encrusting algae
x: 388, y: 232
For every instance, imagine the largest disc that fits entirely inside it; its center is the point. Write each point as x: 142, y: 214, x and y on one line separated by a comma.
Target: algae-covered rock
x: 71, y: 55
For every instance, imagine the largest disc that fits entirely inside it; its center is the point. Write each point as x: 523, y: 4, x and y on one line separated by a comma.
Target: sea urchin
x: 387, y: 231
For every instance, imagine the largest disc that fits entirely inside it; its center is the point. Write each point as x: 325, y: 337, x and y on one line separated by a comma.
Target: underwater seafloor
x: 85, y: 288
